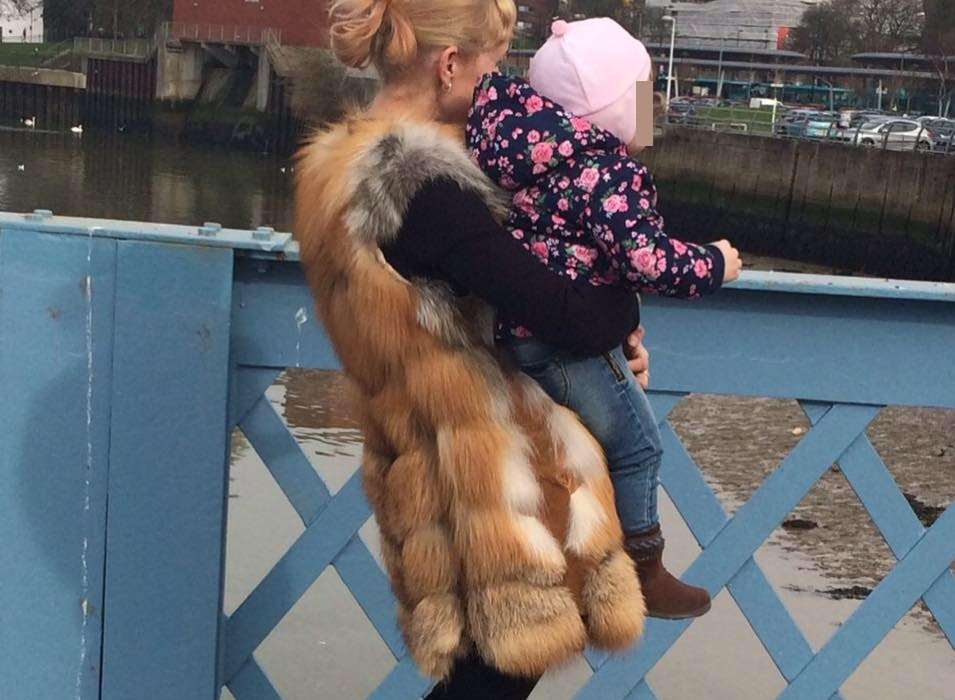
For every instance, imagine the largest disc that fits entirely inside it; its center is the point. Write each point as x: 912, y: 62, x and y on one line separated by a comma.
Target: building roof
x: 728, y: 48
x: 750, y: 22
x: 896, y: 57
x: 805, y: 69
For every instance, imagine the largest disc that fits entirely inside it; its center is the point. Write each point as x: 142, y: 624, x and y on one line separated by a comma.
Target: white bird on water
x: 77, y: 129
x: 29, y: 122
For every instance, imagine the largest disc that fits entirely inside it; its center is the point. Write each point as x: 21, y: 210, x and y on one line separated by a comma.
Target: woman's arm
x: 451, y: 234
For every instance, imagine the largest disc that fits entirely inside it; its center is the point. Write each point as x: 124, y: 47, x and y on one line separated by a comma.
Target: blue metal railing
x: 129, y: 352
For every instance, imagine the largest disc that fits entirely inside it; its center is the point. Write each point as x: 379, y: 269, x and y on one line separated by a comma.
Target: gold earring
x: 448, y: 87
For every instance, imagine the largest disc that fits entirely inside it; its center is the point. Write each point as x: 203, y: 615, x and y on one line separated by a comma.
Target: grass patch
x: 28, y: 54
x: 757, y: 121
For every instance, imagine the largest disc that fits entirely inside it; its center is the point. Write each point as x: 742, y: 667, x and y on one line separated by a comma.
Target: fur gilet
x: 496, y: 512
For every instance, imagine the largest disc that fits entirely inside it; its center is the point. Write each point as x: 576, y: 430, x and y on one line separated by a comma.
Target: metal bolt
x: 210, y: 228
x: 39, y: 215
x: 263, y: 233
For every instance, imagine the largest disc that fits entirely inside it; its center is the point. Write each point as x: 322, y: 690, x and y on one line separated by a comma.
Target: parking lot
x: 853, y: 127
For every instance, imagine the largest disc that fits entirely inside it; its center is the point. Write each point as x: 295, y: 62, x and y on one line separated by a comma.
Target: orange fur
x: 480, y: 508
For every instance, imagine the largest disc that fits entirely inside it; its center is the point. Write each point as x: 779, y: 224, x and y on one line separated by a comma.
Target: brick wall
x: 302, y: 22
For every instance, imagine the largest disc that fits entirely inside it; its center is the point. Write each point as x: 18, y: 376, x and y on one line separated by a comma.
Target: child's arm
x: 623, y: 220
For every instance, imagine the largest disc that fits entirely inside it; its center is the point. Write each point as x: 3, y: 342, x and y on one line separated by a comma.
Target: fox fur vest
x: 496, y: 512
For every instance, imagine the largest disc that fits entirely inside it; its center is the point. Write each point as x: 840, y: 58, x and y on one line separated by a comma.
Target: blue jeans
x: 605, y: 394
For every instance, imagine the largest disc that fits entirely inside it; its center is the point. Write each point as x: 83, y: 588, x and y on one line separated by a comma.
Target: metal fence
x: 129, y: 352
x: 221, y: 33
x: 764, y: 122
x: 114, y: 48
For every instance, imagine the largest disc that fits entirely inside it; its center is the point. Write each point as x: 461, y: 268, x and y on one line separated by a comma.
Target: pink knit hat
x: 592, y: 68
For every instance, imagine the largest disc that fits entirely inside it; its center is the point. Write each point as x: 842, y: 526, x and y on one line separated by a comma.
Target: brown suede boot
x: 666, y: 596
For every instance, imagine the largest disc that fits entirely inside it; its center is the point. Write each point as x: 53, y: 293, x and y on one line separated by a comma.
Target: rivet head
x: 263, y: 233
x: 210, y: 228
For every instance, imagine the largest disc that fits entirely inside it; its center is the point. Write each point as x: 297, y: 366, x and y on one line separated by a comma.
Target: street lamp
x: 832, y: 97
x: 672, y: 19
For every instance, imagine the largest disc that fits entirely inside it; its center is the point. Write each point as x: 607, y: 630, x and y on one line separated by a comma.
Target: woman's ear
x: 448, y: 67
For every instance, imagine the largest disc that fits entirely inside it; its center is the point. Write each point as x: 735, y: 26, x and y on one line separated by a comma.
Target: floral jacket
x: 580, y: 203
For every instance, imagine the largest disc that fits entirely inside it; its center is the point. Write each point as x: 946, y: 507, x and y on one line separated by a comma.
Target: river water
x: 827, y: 558
x: 133, y: 178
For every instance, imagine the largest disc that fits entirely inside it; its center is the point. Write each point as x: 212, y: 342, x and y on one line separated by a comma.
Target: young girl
x: 587, y: 210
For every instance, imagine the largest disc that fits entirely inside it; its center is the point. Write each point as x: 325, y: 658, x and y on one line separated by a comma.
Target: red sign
x: 781, y: 36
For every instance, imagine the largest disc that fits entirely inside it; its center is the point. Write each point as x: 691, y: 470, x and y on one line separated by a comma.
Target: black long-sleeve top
x: 449, y: 234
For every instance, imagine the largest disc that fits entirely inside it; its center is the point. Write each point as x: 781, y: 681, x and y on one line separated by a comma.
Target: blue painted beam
x: 878, y: 613
x: 294, y: 574
x: 832, y: 349
x: 191, y: 318
x: 168, y: 462
x: 738, y: 540
x: 56, y: 344
x: 274, y: 322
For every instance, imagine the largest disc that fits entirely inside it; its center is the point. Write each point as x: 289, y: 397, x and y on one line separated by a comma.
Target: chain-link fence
x: 860, y: 129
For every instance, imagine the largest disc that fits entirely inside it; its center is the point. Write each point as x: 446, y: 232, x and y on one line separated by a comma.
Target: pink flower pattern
x: 581, y: 205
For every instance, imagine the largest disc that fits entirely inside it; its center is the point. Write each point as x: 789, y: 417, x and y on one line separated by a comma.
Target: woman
x: 494, y: 505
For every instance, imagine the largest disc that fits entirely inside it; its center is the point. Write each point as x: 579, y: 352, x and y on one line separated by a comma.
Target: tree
x: 654, y: 29
x: 129, y: 18
x: 65, y: 19
x: 629, y: 13
x: 834, y: 30
x: 888, y: 25
x: 826, y: 32
x: 21, y: 7
x: 938, y: 43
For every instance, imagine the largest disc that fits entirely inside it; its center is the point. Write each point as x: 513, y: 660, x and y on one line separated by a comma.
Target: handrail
x: 221, y: 33
x: 127, y: 48
x: 280, y: 246
x: 133, y: 351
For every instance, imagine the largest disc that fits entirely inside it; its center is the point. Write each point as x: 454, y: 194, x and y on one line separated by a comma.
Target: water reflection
x: 317, y: 409
x: 135, y: 178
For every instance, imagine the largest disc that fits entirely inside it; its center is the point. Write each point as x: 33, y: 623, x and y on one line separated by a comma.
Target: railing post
x: 55, y: 358
x: 168, y: 472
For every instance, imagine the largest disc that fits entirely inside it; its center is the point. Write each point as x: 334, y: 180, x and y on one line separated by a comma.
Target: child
x: 586, y: 209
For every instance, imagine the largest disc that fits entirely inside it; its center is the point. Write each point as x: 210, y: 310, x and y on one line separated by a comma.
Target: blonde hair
x: 391, y: 34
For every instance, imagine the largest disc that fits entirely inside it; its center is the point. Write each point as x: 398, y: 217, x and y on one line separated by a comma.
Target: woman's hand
x: 639, y: 357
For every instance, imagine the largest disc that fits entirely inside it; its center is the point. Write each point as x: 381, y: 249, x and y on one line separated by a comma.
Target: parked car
x: 793, y: 123
x: 857, y: 122
x: 822, y: 125
x: 682, y: 113
x: 896, y: 135
x: 944, y: 132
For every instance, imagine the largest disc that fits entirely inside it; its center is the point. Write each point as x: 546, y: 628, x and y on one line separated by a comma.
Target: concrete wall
x: 889, y: 213
x: 42, y: 76
x: 302, y: 22
x: 179, y: 73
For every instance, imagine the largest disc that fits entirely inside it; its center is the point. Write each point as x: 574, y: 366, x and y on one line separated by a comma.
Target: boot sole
x: 686, y: 616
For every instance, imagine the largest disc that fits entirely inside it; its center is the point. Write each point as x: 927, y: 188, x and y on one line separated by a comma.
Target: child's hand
x: 732, y: 261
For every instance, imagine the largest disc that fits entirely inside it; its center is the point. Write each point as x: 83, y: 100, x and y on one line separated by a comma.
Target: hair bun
x: 355, y: 24
x: 371, y: 31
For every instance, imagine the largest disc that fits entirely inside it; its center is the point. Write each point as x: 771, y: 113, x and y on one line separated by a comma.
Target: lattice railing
x: 838, y: 436
x: 174, y: 344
